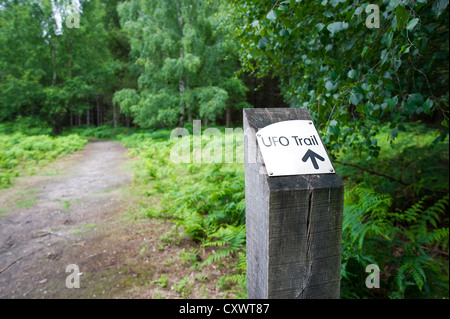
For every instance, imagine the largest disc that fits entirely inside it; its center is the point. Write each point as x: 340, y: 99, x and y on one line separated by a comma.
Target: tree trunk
x: 102, y: 111
x: 53, y: 60
x: 88, y: 120
x: 114, y: 115
x: 228, y: 117
x: 69, y: 75
x: 181, y: 80
x: 182, y: 106
x: 57, y: 125
x: 57, y: 129
x: 97, y: 103
x: 255, y: 85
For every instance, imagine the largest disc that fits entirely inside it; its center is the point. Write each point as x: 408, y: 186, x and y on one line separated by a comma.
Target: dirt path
x: 47, y: 214
x: 81, y: 211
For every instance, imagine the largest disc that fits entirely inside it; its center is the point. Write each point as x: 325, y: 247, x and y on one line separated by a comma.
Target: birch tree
x: 184, y: 62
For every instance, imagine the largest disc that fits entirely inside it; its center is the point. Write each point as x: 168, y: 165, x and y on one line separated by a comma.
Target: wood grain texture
x: 294, y: 223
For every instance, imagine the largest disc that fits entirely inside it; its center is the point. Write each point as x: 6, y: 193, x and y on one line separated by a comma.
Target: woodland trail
x: 48, y: 216
x: 82, y: 210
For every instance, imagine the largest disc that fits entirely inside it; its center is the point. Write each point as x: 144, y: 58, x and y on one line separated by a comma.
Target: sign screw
x: 331, y: 170
x: 310, y: 123
x: 259, y: 135
x: 270, y: 173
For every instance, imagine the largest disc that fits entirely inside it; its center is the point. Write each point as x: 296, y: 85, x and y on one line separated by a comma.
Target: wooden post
x: 294, y: 223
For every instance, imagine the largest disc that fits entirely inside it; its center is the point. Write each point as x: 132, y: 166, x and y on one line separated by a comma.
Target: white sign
x: 293, y: 148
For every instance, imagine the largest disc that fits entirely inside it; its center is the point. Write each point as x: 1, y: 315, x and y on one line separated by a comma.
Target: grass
x: 66, y: 203
x: 162, y: 281
x: 23, y: 199
x: 26, y: 204
x: 184, y: 286
x: 90, y: 225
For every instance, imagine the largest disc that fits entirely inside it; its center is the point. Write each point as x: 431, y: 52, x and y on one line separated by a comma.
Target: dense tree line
x: 164, y: 63
x: 147, y: 63
x: 52, y: 72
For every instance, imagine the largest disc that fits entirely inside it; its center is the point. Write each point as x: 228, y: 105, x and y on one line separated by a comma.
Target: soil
x: 81, y: 211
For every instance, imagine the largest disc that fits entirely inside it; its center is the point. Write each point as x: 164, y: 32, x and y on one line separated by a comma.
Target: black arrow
x: 312, y: 155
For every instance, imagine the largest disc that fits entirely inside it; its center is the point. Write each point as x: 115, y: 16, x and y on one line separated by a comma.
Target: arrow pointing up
x: 313, y: 156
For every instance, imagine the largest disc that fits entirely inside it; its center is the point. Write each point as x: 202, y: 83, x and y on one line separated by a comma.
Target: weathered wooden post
x: 294, y: 205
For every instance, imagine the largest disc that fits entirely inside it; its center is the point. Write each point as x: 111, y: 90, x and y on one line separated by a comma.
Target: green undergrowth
x: 395, y: 215
x: 107, y: 132
x: 23, y: 154
x: 101, y: 132
x: 205, y: 201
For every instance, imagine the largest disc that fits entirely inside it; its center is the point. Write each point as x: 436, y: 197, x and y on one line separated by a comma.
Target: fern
x: 20, y: 153
x: 440, y: 238
x: 412, y: 272
x: 364, y: 217
x: 409, y: 242
x: 402, y: 241
x: 240, y: 277
x: 230, y: 239
x: 207, y: 202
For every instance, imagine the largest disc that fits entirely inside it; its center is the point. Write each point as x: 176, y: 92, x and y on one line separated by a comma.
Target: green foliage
x: 239, y: 278
x: 206, y: 201
x: 412, y: 166
x: 190, y: 257
x: 399, y: 223
x: 162, y: 281
x: 184, y: 286
x: 212, y: 101
x: 186, y: 69
x: 409, y: 246
x: 352, y: 78
x: 27, y: 126
x: 396, y: 215
x: 49, y: 71
x: 102, y: 132
x: 229, y: 240
x: 21, y: 154
x: 126, y: 98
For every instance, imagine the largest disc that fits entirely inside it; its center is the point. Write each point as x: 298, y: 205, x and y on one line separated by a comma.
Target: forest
x: 375, y: 80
